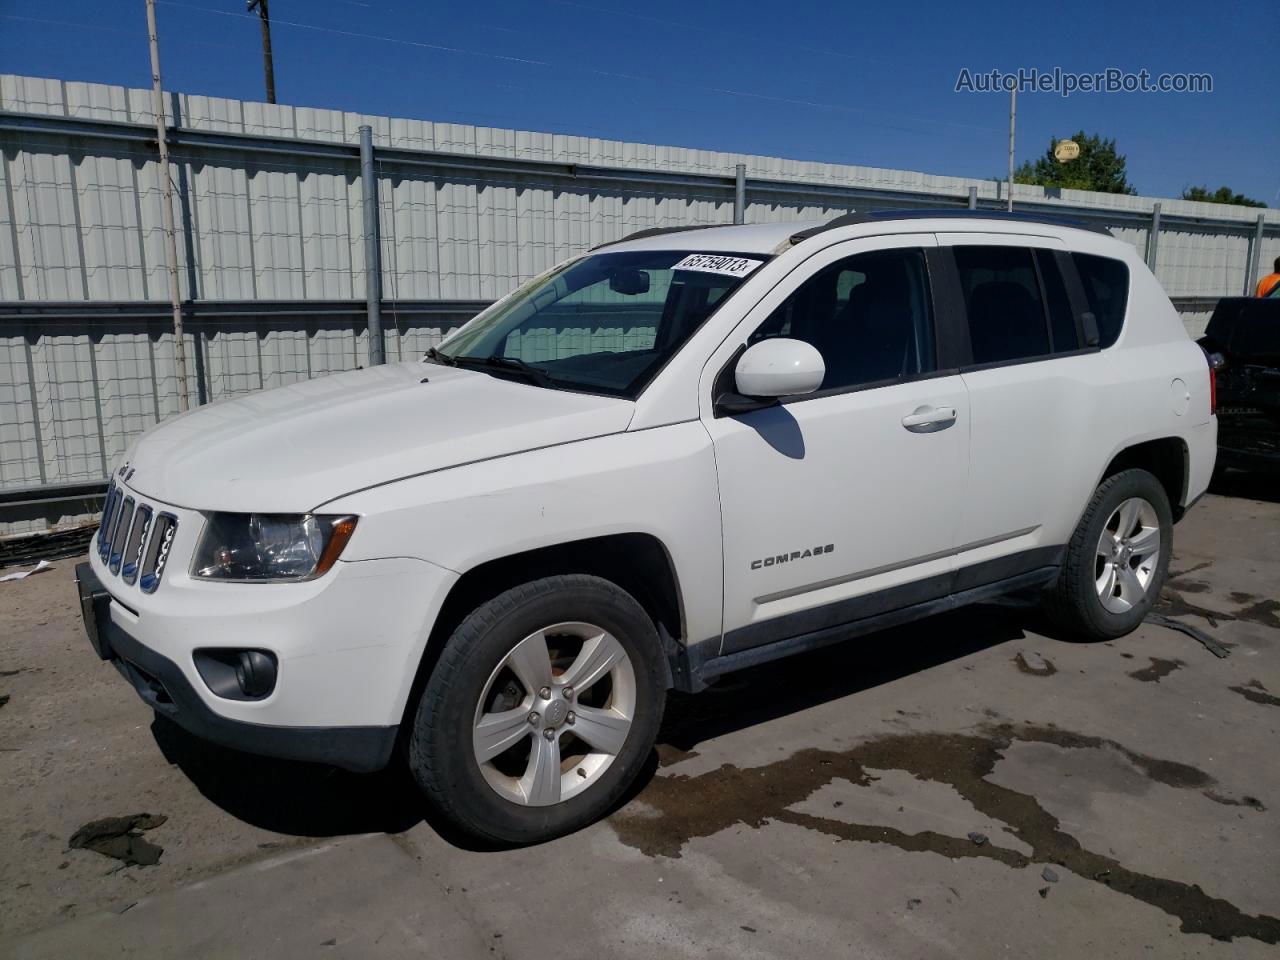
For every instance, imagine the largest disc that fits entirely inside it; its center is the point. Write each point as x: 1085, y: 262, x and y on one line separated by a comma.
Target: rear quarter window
x: 1106, y: 285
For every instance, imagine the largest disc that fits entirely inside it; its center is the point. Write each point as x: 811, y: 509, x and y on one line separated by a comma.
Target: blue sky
x: 807, y: 79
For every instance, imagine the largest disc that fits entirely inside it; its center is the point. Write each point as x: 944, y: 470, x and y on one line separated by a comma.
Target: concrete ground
x: 964, y: 787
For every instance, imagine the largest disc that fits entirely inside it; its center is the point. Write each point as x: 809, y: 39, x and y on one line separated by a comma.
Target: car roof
x: 745, y: 238
x: 770, y: 238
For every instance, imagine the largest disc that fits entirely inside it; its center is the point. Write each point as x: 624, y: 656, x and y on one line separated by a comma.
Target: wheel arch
x: 1167, y: 458
x: 637, y: 562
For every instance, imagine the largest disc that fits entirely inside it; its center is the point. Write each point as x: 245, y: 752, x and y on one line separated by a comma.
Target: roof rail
x: 879, y: 216
x: 657, y: 231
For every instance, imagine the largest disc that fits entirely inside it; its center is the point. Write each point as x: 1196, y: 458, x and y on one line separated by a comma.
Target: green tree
x: 1098, y: 168
x: 1221, y: 195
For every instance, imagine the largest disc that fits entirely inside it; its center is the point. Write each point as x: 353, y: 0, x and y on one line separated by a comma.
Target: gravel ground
x: 962, y: 787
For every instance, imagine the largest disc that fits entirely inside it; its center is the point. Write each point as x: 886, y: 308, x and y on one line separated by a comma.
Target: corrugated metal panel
x: 10, y: 280
x: 45, y: 223
x: 452, y: 238
x: 1202, y: 261
x: 20, y: 464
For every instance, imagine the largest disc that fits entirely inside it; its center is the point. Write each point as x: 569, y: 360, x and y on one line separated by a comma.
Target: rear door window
x: 1106, y: 286
x: 1002, y: 301
x: 1062, y: 320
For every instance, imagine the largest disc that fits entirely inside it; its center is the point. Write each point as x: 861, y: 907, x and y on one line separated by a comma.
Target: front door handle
x: 929, y: 419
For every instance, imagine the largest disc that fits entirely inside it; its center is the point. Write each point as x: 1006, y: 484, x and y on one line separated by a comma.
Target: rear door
x: 1028, y: 378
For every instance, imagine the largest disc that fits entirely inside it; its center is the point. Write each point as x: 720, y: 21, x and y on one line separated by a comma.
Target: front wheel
x: 541, y: 710
x: 1117, y: 559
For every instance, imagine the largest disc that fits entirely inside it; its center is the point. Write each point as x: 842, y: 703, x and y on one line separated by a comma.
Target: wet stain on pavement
x: 121, y: 838
x: 1157, y: 669
x: 1179, y: 574
x: 1253, y: 803
x: 1264, y: 612
x: 672, y: 810
x: 1171, y: 603
x: 1034, y: 664
x: 1257, y: 693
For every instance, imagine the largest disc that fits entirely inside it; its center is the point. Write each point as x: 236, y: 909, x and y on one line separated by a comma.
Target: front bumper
x: 164, y: 687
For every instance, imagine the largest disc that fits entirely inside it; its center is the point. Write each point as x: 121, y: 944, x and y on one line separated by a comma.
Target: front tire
x: 541, y: 710
x: 1117, y: 559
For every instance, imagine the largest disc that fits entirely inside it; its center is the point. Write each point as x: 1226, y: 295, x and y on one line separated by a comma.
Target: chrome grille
x: 134, y: 540
x: 109, y: 513
x: 105, y: 525
x: 133, y: 545
x: 166, y: 526
x: 119, y: 534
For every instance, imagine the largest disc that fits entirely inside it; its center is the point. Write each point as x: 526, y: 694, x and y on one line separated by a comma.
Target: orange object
x: 1267, y: 284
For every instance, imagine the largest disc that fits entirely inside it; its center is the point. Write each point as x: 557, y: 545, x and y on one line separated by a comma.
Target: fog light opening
x: 237, y: 674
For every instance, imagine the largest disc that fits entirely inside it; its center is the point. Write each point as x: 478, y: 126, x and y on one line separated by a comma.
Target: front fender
x: 660, y: 482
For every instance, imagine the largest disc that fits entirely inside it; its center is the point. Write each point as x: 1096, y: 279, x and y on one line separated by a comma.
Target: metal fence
x: 272, y: 249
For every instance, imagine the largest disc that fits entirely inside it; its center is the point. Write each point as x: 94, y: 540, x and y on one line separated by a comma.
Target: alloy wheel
x: 554, y: 714
x: 1128, y: 555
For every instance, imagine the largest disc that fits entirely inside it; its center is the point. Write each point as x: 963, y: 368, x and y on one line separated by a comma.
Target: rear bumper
x: 164, y: 687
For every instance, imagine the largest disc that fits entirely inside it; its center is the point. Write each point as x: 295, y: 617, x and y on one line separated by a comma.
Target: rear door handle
x: 928, y: 419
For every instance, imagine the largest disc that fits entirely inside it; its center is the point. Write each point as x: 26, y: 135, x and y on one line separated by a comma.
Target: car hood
x: 291, y: 449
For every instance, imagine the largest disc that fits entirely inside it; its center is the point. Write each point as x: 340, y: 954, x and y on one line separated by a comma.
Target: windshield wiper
x: 538, y: 377
x: 435, y: 355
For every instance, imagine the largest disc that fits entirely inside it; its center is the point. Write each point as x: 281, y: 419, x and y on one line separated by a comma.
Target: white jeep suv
x: 681, y: 454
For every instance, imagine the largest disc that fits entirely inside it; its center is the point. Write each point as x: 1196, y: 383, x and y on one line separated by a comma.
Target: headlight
x: 270, y: 546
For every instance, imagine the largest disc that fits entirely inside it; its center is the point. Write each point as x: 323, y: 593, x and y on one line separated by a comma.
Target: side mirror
x: 773, y: 368
x: 779, y: 367
x: 768, y: 370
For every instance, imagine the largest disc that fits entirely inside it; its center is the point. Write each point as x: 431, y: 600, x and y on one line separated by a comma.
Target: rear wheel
x: 541, y: 710
x: 1117, y: 559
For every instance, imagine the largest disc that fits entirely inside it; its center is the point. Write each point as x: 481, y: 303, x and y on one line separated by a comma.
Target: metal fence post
x: 973, y: 198
x: 1255, y: 258
x: 372, y: 255
x: 1153, y: 237
x: 740, y: 194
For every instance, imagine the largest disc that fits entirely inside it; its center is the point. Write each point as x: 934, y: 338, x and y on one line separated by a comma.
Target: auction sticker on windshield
x: 716, y: 263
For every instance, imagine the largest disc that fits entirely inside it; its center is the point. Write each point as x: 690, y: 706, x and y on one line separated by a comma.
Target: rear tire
x: 1116, y: 561
x: 541, y: 710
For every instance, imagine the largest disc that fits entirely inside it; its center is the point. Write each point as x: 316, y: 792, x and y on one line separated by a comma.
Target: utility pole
x: 268, y: 69
x: 1013, y: 113
x: 166, y: 210
x: 372, y: 249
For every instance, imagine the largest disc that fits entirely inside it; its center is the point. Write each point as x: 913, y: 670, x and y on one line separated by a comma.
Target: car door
x: 1031, y: 384
x: 841, y: 504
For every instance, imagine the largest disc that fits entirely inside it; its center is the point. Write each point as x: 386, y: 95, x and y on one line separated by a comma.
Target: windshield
x: 605, y: 323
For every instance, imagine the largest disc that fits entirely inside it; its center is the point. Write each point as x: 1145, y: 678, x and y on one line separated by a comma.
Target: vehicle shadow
x: 311, y: 800
x: 291, y: 797
x: 1247, y: 485
x: 786, y: 686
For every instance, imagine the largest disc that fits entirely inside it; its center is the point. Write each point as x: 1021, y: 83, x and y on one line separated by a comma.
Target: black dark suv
x: 1245, y: 332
